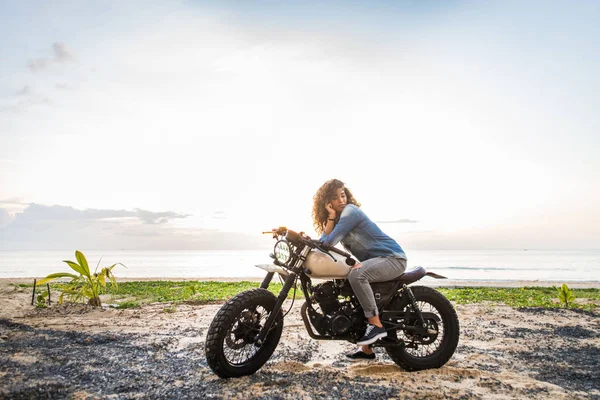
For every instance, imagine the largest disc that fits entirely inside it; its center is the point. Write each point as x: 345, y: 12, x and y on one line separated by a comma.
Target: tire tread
x: 410, y: 363
x: 220, y: 325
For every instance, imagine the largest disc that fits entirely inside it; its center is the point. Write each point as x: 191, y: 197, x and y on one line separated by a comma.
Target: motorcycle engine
x: 326, y: 294
x: 337, y: 315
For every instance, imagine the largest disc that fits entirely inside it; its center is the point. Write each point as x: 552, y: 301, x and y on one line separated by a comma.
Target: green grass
x: 194, y: 292
x: 189, y: 291
x: 209, y: 291
x: 128, y: 304
x: 201, y: 292
x: 546, y: 297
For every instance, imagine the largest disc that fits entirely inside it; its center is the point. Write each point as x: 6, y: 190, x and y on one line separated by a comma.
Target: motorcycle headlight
x: 282, y: 251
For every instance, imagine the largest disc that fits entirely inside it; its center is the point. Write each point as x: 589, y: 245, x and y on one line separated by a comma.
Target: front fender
x: 273, y: 268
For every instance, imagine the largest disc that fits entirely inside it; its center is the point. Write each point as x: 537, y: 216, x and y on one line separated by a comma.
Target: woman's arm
x: 331, y: 220
x: 329, y: 226
x: 351, y: 216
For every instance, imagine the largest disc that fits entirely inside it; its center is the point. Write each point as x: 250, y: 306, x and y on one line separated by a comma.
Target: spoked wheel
x: 431, y: 347
x: 231, y: 347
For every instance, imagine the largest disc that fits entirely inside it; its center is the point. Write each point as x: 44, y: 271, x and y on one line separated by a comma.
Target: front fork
x: 289, y: 282
x: 287, y: 285
x: 265, y: 283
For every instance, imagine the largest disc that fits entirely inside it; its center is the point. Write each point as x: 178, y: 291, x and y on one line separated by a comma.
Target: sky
x: 197, y: 125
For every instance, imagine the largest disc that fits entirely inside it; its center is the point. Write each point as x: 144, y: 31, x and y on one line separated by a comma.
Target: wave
x: 492, y: 268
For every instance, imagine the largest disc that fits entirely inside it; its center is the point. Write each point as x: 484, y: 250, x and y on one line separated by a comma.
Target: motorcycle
x: 422, y: 325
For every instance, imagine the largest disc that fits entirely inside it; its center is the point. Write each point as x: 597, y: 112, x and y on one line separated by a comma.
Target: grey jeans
x: 378, y: 269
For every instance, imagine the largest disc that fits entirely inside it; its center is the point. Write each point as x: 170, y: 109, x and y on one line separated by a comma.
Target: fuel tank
x: 324, y: 266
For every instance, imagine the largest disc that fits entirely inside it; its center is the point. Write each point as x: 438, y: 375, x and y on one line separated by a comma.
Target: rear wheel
x: 428, y: 350
x: 231, y: 348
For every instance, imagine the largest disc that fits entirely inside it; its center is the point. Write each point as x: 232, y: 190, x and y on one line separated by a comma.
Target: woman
x: 338, y: 218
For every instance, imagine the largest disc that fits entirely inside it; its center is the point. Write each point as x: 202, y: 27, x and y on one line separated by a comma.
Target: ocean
x: 473, y: 265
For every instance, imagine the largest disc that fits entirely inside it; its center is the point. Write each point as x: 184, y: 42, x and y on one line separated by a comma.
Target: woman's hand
x: 330, y: 210
x: 357, y: 265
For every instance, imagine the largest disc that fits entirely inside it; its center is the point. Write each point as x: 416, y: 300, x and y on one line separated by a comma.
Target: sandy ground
x: 503, y: 353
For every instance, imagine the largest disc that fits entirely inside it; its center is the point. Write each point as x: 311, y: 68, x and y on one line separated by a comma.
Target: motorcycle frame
x: 297, y: 271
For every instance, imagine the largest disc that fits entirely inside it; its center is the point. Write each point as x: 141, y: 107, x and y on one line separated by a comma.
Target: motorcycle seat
x: 415, y: 274
x: 383, y: 290
x: 411, y: 276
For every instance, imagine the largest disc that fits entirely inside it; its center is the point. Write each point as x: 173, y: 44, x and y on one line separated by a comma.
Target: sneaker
x: 360, y: 355
x: 372, y: 334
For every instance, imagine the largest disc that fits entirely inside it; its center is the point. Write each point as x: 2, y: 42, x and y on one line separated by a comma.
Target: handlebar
x: 349, y: 260
x: 333, y: 249
x: 295, y: 237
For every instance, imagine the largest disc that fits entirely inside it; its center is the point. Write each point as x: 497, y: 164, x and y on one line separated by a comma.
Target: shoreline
x: 449, y: 283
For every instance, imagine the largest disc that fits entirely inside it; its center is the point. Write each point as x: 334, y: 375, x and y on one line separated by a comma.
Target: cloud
x: 40, y: 213
x: 13, y: 201
x: 398, y: 221
x: 4, y: 217
x: 106, y: 214
x: 63, y: 227
x: 149, y: 217
x: 219, y: 215
x: 26, y: 102
x: 61, y: 55
x: 26, y: 97
x: 38, y: 64
x: 25, y: 91
x: 63, y: 86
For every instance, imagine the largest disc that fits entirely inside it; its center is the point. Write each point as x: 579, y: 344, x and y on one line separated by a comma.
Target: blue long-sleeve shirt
x: 361, y: 236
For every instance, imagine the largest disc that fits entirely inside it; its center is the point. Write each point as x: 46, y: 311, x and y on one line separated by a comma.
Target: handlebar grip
x: 350, y: 261
x: 335, y: 250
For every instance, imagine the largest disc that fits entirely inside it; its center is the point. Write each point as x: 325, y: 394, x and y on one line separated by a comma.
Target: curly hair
x: 326, y: 192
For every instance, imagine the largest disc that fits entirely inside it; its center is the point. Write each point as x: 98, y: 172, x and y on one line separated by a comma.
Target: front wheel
x: 436, y: 347
x: 231, y: 348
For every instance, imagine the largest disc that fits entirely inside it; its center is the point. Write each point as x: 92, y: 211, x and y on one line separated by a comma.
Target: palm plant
x: 84, y: 285
x: 565, y: 296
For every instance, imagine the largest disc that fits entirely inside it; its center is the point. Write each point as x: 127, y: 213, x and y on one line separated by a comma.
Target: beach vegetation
x: 190, y: 292
x: 544, y: 297
x: 565, y: 295
x: 204, y: 292
x: 127, y: 304
x: 170, y: 309
x: 41, y: 300
x: 83, y: 285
